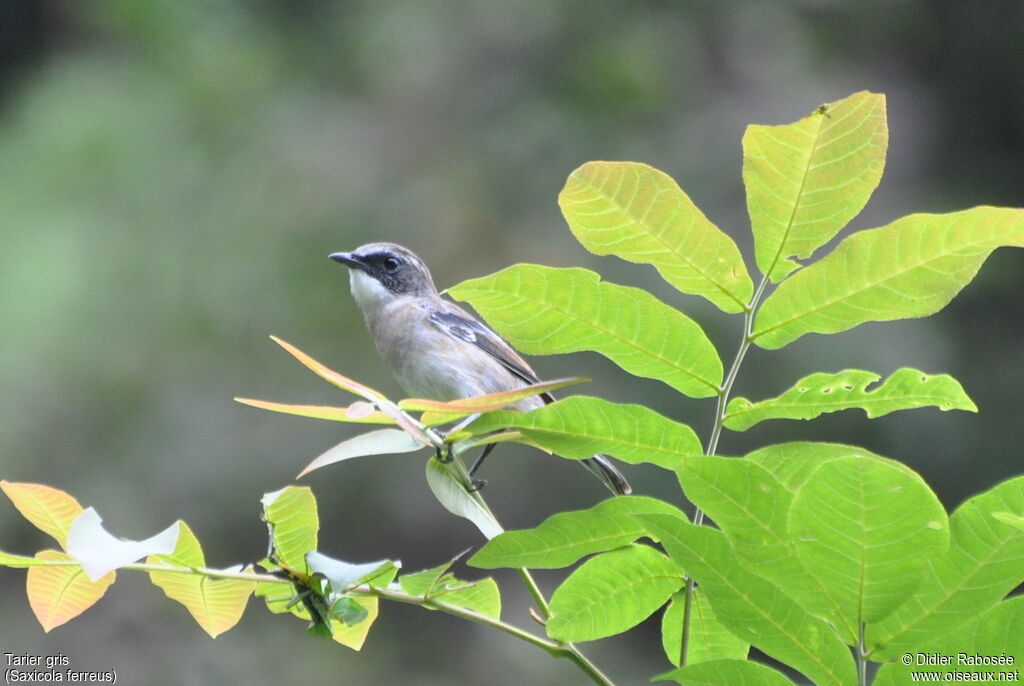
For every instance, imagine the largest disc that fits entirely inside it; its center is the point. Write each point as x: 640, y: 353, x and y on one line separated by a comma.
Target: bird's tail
x: 601, y: 467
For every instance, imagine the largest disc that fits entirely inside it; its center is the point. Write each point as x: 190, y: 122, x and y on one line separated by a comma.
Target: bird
x: 435, y: 348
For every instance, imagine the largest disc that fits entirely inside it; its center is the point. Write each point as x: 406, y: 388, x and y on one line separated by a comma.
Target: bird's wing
x: 458, y: 323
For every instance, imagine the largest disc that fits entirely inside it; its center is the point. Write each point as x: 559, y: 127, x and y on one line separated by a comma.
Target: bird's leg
x: 477, y: 484
x: 446, y: 456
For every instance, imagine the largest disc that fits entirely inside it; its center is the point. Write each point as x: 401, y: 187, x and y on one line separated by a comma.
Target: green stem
x: 862, y: 655
x: 567, y: 649
x: 716, y: 433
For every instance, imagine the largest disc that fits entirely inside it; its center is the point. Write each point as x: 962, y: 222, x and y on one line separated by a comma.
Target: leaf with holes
x: 819, y: 393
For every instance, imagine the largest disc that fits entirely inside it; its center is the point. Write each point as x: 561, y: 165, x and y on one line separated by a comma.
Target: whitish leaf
x: 49, y: 509
x: 547, y: 311
x: 806, y: 180
x: 355, y: 413
x: 564, y: 538
x: 379, y: 442
x: 215, y: 604
x: 342, y: 575
x: 59, y: 594
x: 709, y: 639
x: 292, y: 514
x: 640, y: 214
x: 726, y: 673
x: 819, y: 393
x: 910, y: 268
x: 453, y: 496
x: 985, y: 561
x: 100, y: 553
x: 866, y: 528
x: 611, y: 593
x: 580, y: 426
x: 753, y: 608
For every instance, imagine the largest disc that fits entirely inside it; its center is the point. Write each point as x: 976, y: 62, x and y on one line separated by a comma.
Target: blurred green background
x: 173, y: 174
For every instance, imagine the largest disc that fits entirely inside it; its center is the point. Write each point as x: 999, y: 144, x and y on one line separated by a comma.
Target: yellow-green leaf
x: 910, y: 268
x: 292, y: 513
x: 60, y: 593
x: 215, y: 604
x: 806, y: 180
x: 355, y: 635
x: 640, y: 214
x: 49, y: 509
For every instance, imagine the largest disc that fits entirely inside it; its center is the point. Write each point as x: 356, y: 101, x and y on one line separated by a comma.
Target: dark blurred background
x: 173, y: 174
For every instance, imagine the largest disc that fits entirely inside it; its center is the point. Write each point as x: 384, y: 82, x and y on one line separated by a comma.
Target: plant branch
x: 716, y: 432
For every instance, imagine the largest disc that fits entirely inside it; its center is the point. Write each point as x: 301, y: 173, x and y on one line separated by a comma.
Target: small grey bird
x: 435, y: 348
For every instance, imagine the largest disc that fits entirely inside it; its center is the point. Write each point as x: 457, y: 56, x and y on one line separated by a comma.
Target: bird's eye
x: 392, y: 264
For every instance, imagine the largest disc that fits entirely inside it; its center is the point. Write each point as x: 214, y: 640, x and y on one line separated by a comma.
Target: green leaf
x: 793, y: 463
x: 58, y: 594
x: 709, y: 639
x: 49, y: 509
x: 640, y: 214
x: 996, y: 635
x: 564, y: 538
x: 726, y: 673
x: 423, y: 582
x: 349, y: 611
x: 353, y: 636
x: 806, y: 180
x: 910, y: 268
x: 379, y: 442
x: 100, y: 553
x: 215, y: 604
x: 453, y: 496
x: 292, y: 513
x: 611, y: 593
x: 752, y: 508
x: 753, y: 608
x: 1010, y: 519
x: 480, y: 596
x: 580, y: 426
x: 865, y: 528
x: 819, y: 393
x: 985, y: 561
x: 545, y: 311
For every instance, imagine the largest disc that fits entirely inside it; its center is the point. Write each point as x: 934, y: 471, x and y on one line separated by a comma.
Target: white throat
x: 368, y: 292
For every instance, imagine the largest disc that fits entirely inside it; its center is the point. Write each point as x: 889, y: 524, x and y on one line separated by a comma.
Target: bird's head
x: 381, y: 272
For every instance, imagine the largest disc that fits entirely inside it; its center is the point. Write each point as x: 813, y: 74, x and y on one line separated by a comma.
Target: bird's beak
x: 348, y: 259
